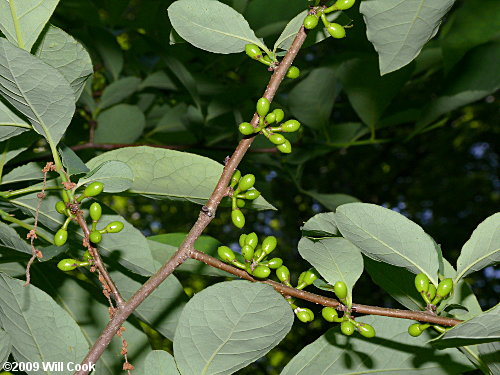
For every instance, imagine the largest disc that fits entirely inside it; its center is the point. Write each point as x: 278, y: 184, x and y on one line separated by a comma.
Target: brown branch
x: 114, y: 146
x: 422, y: 316
x: 204, y: 218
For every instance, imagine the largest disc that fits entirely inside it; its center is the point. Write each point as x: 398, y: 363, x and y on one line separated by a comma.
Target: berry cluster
x: 334, y: 29
x: 254, y: 52
x: 242, y: 190
x: 70, y: 264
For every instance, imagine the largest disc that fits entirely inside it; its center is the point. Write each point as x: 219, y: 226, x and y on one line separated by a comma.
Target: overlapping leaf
x: 321, y: 225
x: 158, y: 362
x: 115, y: 175
x: 10, y: 123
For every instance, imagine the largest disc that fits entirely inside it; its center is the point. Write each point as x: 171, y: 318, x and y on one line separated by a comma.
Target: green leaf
x: 477, y: 330
x: 393, y: 351
x: 109, y: 50
x: 158, y: 80
x: 122, y: 123
x: 399, y: 29
x: 26, y: 172
x: 11, y: 240
x: 336, y: 259
x: 185, y: 77
x: 168, y: 174
x: 171, y: 121
x: 10, y: 148
x: 332, y: 201
x: 115, y: 175
x: 61, y: 51
x: 482, y: 249
x: 22, y: 21
x: 158, y: 362
x: 286, y: 38
x: 321, y: 225
x: 71, y: 161
x: 10, y: 124
x: 37, y: 90
x: 228, y: 326
x: 21, y: 309
x: 489, y: 355
x: 311, y: 100
x: 211, y: 25
x: 5, y: 346
x: 118, y: 90
x: 387, y: 236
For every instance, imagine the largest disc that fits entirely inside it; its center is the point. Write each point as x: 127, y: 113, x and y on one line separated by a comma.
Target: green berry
x: 252, y: 194
x: 270, y: 118
x: 86, y: 256
x: 95, y: 236
x: 238, y: 218
x: 290, y: 126
x: 258, y: 255
x: 263, y: 107
x: 329, y: 314
x: 247, y: 251
x: 240, y: 203
x: 95, y: 188
x: 242, y: 239
x: 310, y: 22
x: 114, y: 227
x: 347, y: 328
x: 252, y: 239
x: 277, y: 139
x: 60, y: 237
x: 422, y: 283
x: 304, y: 315
x: 235, y: 178
x: 275, y: 263
x: 344, y: 4
x: 280, y: 115
x: 335, y: 30
x: 301, y: 278
x: 283, y: 274
x: 261, y: 271
x: 340, y: 289
x: 226, y: 254
x: 416, y: 329
x: 269, y: 244
x: 246, y: 128
x: 293, y: 72
x: 246, y: 182
x: 443, y: 290
x: 253, y: 51
x: 95, y: 211
x: 310, y: 276
x: 68, y: 264
x: 431, y: 292
x: 366, y: 330
x: 61, y: 207
x: 285, y: 147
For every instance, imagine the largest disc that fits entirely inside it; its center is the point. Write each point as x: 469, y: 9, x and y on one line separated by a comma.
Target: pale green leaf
x: 119, y: 90
x: 26, y: 172
x: 37, y: 90
x: 115, y: 175
x: 5, y: 346
x: 489, y: 355
x: 11, y: 240
x: 321, y: 225
x: 122, y: 123
x: 398, y: 29
x: 211, y: 25
x: 387, y: 236
x: 158, y: 362
x: 228, y: 326
x: 10, y: 124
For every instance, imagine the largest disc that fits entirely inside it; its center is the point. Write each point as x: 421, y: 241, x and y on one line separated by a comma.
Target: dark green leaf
x: 122, y: 123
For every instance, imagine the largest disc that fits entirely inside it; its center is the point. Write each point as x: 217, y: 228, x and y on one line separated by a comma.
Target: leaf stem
x: 17, y: 26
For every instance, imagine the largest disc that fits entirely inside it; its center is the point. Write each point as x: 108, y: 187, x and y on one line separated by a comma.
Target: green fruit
x: 366, y: 330
x: 240, y: 203
x: 95, y: 236
x: 263, y: 107
x: 226, y: 254
x: 258, y: 255
x: 344, y: 4
x: 310, y: 276
x: 277, y: 139
x: 268, y: 60
x: 340, y: 289
x: 416, y: 329
x: 304, y: 315
x: 86, y: 256
x: 252, y: 239
x: 235, y: 178
x: 431, y: 292
x: 68, y: 264
x: 269, y: 244
x: 329, y: 314
x: 280, y: 115
x: 422, y: 283
x: 238, y: 218
x: 283, y: 274
x: 310, y: 22
x: 285, y: 148
x: 61, y: 207
x: 114, y: 227
x: 95, y: 211
x: 275, y: 263
x: 290, y: 126
x: 252, y: 194
x: 247, y: 251
x: 336, y: 30
x: 301, y: 278
x: 270, y: 118
x: 95, y: 188
x: 293, y: 72
x: 253, y: 51
x: 261, y: 271
x: 242, y: 239
x: 443, y: 290
x: 246, y: 128
x: 60, y: 237
x: 347, y: 328
x: 246, y: 182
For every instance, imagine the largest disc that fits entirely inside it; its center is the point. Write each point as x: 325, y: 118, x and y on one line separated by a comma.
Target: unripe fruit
x: 293, y: 72
x: 283, y: 274
x: 258, y: 255
x: 344, y: 4
x: 275, y: 263
x: 304, y: 315
x: 335, y: 30
x: 310, y: 22
x: 301, y: 278
x: 114, y: 227
x: 422, y: 283
x: 60, y: 237
x: 443, y: 290
x: 252, y: 239
x: 416, y: 329
x: 263, y: 107
x: 242, y: 239
x: 261, y: 271
x: 95, y: 211
x: 246, y: 182
x: 280, y: 115
x: 366, y: 330
x: 95, y: 188
x: 240, y: 203
x: 86, y: 256
x: 310, y: 276
x: 340, y: 289
x: 277, y: 139
x: 61, y: 207
x: 68, y: 264
x: 329, y: 314
x: 247, y: 252
x: 252, y: 194
x: 238, y: 218
x: 226, y: 254
x: 270, y: 118
x: 290, y: 126
x: 253, y: 51
x: 347, y: 328
x: 235, y: 178
x: 285, y: 147
x: 269, y: 244
x: 95, y: 236
x: 246, y: 128
x: 431, y: 292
